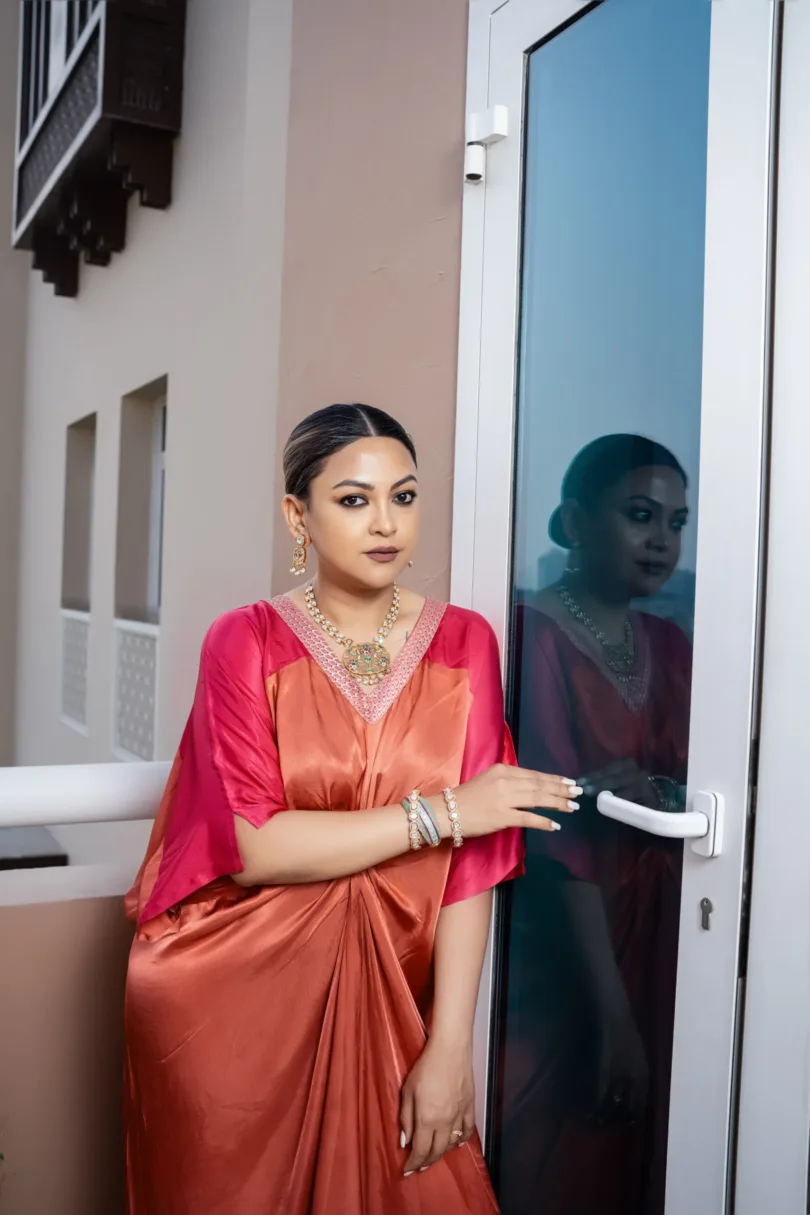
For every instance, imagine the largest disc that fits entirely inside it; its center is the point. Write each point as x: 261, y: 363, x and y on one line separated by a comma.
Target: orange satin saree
x: 268, y: 1031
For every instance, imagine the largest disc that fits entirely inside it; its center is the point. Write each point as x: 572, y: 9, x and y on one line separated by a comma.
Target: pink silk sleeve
x: 228, y: 764
x: 484, y: 862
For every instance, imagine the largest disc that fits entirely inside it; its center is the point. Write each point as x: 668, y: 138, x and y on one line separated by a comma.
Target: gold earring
x: 410, y: 565
x: 299, y: 565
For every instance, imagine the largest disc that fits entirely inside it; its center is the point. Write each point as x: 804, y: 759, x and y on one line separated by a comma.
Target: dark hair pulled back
x: 329, y: 430
x: 601, y: 465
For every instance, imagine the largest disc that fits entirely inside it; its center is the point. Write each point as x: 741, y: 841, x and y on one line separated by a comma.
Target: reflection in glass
x: 606, y: 483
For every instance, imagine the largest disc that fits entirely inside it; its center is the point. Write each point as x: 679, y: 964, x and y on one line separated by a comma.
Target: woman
x: 604, y: 693
x: 313, y: 908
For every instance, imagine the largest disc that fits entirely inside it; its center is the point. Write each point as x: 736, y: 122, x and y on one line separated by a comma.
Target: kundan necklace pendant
x: 367, y: 661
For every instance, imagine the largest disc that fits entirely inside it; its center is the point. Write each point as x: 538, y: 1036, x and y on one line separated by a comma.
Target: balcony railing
x: 100, y: 99
x: 51, y: 30
x: 98, y: 813
x: 69, y: 794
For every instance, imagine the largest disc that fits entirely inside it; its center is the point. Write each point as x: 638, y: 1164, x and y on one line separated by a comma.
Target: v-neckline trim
x: 633, y: 694
x: 372, y: 706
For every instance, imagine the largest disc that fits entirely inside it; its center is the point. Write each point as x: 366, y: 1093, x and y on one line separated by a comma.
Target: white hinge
x: 488, y: 126
x: 483, y: 128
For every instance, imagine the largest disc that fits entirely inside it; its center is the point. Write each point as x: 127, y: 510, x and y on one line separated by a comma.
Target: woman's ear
x: 572, y: 523
x: 293, y: 510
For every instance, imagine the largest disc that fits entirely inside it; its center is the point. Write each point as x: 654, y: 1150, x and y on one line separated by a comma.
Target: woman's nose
x: 383, y: 523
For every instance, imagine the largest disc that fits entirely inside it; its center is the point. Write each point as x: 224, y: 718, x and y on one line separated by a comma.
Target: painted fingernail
x: 409, y: 1174
x: 556, y: 826
x: 402, y: 1140
x: 567, y: 781
x: 573, y: 805
x: 576, y: 791
x: 424, y: 1169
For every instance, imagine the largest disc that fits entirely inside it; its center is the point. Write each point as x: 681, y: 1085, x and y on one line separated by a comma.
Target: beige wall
x: 12, y: 361
x: 62, y: 972
x: 195, y: 297
x: 372, y: 248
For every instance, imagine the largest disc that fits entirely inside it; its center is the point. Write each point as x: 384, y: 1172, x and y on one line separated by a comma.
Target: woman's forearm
x: 460, y: 944
x: 299, y: 846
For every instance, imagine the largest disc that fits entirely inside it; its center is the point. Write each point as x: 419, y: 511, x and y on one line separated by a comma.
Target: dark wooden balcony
x: 100, y: 103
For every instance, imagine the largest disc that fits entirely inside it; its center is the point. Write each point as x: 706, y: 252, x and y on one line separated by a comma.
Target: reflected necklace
x: 368, y: 662
x: 621, y: 658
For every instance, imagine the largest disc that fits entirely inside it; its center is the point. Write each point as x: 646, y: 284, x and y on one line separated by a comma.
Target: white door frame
x: 774, y: 1115
x: 735, y: 391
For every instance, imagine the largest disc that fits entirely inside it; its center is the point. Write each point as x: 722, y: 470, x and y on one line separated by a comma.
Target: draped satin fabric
x: 574, y: 721
x: 269, y: 1030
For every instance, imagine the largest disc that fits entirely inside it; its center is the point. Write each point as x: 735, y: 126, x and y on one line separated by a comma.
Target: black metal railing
x: 51, y: 31
x: 100, y: 105
x: 79, y: 13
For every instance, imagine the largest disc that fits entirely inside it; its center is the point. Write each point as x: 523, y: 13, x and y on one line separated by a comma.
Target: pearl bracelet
x: 411, y: 807
x: 452, y: 812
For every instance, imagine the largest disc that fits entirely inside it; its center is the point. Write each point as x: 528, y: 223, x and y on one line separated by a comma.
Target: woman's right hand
x: 504, y: 796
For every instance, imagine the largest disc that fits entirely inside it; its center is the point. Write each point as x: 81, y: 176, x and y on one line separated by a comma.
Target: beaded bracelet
x: 452, y: 812
x: 411, y: 807
x: 422, y: 822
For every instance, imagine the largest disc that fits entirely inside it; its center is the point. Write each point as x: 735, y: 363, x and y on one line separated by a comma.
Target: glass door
x: 613, y: 393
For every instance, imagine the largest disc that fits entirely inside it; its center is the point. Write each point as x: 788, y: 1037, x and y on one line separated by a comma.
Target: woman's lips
x: 383, y: 555
x: 653, y: 569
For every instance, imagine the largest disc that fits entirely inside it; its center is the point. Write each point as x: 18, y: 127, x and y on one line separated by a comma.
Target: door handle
x: 702, y: 824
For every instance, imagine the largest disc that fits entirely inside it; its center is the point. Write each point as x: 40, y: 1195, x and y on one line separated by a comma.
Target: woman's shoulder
x: 467, y: 624
x: 462, y: 637
x: 663, y: 628
x: 664, y: 634
x: 540, y: 620
x: 253, y: 628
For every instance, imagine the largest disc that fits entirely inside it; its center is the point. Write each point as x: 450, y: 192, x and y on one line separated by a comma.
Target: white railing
x: 73, y: 794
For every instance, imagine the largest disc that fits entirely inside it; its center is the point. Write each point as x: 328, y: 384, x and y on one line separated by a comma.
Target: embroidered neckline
x: 635, y: 691
x: 372, y: 706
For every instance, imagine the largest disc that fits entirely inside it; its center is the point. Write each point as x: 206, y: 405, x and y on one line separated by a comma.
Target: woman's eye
x: 406, y: 497
x: 353, y: 500
x: 639, y: 515
x: 677, y: 525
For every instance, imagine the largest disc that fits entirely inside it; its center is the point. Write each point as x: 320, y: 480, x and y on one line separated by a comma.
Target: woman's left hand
x: 438, y: 1099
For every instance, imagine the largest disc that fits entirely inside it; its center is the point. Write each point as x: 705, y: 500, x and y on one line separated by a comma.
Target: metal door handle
x: 703, y: 823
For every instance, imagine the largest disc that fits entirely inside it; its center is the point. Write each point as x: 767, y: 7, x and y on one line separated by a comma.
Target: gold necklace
x: 368, y: 661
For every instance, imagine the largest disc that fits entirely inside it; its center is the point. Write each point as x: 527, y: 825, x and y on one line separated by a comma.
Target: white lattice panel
x: 136, y: 687
x: 75, y: 641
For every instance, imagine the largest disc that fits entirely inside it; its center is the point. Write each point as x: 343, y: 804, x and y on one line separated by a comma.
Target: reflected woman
x: 604, y: 693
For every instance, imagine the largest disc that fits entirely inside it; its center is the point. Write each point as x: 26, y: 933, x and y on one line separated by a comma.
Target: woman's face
x: 362, y: 516
x: 630, y: 543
